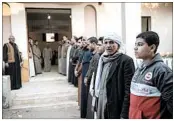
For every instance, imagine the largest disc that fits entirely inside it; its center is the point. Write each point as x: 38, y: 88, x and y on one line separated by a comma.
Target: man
x: 47, y: 55
x: 12, y: 60
x: 65, y: 45
x: 37, y: 58
x: 71, y: 67
x: 112, y: 85
x: 31, y: 59
x: 85, y: 65
x: 78, y: 66
x: 92, y: 68
x: 152, y: 85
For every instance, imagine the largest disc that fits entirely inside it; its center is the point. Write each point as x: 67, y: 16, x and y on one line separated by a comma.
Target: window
x: 50, y: 37
x: 145, y: 23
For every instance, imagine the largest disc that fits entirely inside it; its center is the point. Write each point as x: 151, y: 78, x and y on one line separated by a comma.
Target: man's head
x: 146, y: 45
x: 65, y: 38
x: 79, y: 42
x: 93, y: 43
x: 30, y: 40
x: 100, y: 46
x: 36, y: 42
x: 85, y: 43
x: 12, y: 38
x: 112, y: 43
x: 73, y: 39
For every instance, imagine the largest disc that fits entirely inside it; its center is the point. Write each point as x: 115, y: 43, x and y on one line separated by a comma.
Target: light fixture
x: 49, y: 17
x: 151, y: 5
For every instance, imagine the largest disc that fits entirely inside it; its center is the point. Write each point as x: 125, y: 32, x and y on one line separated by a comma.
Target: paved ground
x: 48, y: 95
x: 42, y: 113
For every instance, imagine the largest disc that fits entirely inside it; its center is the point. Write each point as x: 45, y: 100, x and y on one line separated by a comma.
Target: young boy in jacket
x: 152, y: 84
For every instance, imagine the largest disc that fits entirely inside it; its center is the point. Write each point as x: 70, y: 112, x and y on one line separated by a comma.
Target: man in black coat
x: 114, y: 73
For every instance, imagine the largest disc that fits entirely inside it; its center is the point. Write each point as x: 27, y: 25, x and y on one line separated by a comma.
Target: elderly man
x: 12, y: 60
x: 112, y: 86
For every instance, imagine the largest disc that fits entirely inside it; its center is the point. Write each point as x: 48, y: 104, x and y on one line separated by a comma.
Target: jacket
x: 152, y: 91
x: 92, y: 66
x: 118, y: 87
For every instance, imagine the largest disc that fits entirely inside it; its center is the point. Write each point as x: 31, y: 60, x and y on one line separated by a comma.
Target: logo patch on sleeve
x: 148, y: 76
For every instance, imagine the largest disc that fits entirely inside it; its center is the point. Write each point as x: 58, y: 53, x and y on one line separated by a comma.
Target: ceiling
x: 37, y: 20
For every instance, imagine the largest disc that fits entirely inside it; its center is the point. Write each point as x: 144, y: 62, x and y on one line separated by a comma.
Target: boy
x: 152, y: 84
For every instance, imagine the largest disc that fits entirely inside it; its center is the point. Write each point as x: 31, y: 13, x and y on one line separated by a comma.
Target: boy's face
x: 142, y: 50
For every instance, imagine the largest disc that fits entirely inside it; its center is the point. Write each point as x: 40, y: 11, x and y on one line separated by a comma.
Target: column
x: 19, y: 30
x: 131, y: 24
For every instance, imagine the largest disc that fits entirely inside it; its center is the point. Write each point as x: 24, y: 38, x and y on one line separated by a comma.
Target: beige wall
x: 161, y: 22
x: 90, y: 21
x: 19, y: 27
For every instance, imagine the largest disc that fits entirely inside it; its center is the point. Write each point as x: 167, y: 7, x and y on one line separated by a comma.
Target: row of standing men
x: 108, y: 85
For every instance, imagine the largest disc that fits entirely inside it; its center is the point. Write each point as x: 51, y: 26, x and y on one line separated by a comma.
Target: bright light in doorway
x: 49, y: 17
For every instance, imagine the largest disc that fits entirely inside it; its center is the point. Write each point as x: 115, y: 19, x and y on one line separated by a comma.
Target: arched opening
x: 6, y: 21
x: 90, y: 21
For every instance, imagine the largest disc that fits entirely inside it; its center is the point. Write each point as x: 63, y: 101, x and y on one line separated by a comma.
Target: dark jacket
x: 152, y: 91
x: 92, y: 66
x: 118, y: 87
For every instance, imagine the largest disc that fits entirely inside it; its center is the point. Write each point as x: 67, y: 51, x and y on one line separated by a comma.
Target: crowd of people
x: 109, y: 86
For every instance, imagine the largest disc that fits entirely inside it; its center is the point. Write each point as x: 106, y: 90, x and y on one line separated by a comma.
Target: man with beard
x: 112, y: 86
x: 98, y: 50
x: 85, y: 65
x: 12, y: 60
x: 92, y: 67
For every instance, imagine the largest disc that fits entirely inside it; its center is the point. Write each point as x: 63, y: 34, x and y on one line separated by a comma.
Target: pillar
x: 19, y: 30
x: 131, y: 24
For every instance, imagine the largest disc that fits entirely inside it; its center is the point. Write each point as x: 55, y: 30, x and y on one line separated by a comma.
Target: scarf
x: 103, y: 59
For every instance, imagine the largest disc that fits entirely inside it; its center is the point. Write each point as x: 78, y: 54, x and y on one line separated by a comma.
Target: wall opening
x: 90, y: 21
x: 6, y: 22
x: 146, y: 23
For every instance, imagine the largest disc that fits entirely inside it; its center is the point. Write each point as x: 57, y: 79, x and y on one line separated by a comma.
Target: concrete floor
x: 46, y: 96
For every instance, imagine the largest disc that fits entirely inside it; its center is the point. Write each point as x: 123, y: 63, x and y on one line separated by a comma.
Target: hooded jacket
x: 152, y: 91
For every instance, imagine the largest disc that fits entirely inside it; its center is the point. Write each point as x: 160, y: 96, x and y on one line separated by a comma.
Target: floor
x: 48, y: 95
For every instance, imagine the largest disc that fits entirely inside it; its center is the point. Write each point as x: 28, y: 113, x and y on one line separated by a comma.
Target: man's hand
x: 76, y: 73
x: 6, y: 65
x: 86, y: 81
x: 21, y: 64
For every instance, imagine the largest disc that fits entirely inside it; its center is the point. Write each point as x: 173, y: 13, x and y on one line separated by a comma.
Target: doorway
x: 49, y: 25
